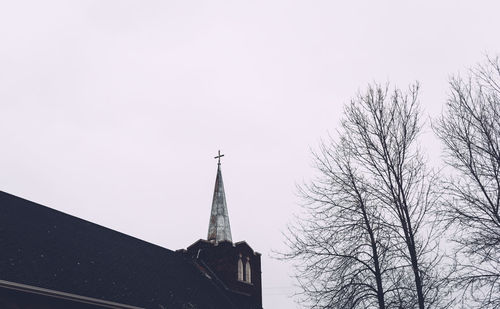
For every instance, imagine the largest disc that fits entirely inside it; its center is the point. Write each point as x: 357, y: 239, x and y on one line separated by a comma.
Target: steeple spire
x: 219, y: 228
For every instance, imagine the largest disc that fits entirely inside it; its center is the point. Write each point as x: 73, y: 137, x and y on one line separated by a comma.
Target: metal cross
x: 218, y: 157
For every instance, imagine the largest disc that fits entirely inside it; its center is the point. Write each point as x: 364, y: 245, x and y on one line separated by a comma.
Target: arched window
x: 248, y: 271
x: 240, y: 269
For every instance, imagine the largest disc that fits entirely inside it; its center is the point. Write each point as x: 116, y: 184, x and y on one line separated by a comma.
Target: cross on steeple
x: 218, y: 157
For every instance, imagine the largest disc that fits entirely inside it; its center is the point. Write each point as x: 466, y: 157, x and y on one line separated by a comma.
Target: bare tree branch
x: 470, y: 131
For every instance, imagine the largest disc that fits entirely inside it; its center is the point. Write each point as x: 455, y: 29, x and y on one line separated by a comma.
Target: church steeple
x: 236, y: 266
x: 219, y: 228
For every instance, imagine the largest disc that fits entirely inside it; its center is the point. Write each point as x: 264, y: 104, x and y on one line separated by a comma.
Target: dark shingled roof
x: 45, y: 248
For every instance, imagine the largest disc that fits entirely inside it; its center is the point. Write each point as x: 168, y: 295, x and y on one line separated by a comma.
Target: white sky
x: 112, y: 111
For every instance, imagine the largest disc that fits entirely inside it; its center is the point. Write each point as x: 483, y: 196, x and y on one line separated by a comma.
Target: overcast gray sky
x: 112, y: 111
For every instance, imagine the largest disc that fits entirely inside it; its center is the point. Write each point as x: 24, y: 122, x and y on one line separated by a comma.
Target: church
x: 51, y: 260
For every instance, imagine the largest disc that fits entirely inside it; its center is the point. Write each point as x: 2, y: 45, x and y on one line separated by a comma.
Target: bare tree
x: 470, y: 130
x: 339, y: 243
x: 362, y: 236
x: 382, y: 132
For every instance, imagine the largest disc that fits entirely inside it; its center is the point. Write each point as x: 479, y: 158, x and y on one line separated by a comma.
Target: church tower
x: 234, y: 267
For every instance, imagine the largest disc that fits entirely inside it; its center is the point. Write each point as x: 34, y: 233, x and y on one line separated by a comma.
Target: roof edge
x: 86, y: 221
x: 62, y: 295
